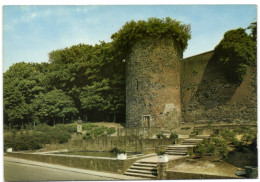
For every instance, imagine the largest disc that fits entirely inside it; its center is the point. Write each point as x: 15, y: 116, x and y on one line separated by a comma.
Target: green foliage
x: 235, y: 52
x: 212, y: 146
x: 70, y: 128
x: 253, y: 28
x: 230, y: 137
x: 88, y: 126
x: 100, y: 131
x: 200, y: 150
x: 110, y: 131
x: 160, y: 152
x: 33, y: 140
x: 54, y: 106
x: 160, y: 135
x: 87, y: 136
x: 133, y: 31
x: 195, y: 132
x: 174, y: 136
x: 118, y: 150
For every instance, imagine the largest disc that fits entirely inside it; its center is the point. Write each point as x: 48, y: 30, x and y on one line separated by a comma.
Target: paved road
x: 23, y: 170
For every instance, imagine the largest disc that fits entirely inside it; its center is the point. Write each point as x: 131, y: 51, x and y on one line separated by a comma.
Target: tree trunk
x: 63, y: 120
x: 114, y: 120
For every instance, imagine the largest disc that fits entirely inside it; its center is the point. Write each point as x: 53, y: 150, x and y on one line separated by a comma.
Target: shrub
x: 195, y: 132
x: 88, y: 126
x: 118, y: 151
x: 174, y: 136
x: 213, y: 146
x: 97, y: 132
x: 36, y: 139
x: 161, y: 152
x: 43, y: 127
x: 160, y: 135
x: 111, y: 131
x: 87, y: 136
x: 200, y: 150
x: 230, y: 137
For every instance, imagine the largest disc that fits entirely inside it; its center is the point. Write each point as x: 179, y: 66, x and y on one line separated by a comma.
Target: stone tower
x: 153, y: 84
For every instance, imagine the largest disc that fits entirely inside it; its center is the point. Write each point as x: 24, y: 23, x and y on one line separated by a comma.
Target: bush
x: 118, y: 151
x: 87, y: 136
x: 88, y: 126
x: 213, y: 146
x: 174, y: 136
x: 230, y: 137
x: 111, y: 131
x: 43, y: 127
x: 160, y: 135
x: 161, y: 152
x: 97, y: 132
x: 34, y: 140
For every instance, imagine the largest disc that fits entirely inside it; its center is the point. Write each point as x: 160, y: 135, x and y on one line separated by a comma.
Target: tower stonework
x: 153, y: 84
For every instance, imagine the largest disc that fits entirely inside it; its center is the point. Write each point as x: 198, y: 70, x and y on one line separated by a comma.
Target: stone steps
x: 143, y: 169
x: 145, y: 164
x: 192, y: 141
x: 202, y: 136
x: 146, y: 168
x: 141, y: 175
x: 176, y: 150
x: 151, y: 172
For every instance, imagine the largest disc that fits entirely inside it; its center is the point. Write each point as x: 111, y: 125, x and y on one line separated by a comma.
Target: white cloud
x: 29, y: 17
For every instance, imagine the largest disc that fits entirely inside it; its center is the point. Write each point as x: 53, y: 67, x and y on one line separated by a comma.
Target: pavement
x: 25, y: 170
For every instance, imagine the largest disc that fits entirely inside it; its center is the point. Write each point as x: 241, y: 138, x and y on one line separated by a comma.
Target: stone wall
x: 153, y: 84
x: 130, y: 144
x: 91, y: 163
x: 207, y: 96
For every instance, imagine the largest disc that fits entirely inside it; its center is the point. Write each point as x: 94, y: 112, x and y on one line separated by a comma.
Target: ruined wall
x: 153, y: 84
x: 207, y: 96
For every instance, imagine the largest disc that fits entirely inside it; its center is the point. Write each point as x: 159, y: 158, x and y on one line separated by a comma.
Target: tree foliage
x: 133, y: 31
x: 235, y: 52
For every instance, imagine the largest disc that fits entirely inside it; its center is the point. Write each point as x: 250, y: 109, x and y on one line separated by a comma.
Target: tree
x: 234, y: 53
x: 22, y: 82
x: 53, y: 106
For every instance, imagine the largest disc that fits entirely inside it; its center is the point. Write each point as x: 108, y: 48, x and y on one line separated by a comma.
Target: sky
x: 31, y: 32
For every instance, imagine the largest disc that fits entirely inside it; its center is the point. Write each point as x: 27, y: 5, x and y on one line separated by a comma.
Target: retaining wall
x: 83, y: 162
x: 130, y: 144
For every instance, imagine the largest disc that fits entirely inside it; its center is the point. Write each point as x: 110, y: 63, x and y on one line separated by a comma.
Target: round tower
x: 153, y: 84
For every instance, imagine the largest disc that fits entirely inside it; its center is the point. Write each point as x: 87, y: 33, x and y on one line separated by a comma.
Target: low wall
x: 131, y: 144
x: 184, y: 175
x: 98, y: 164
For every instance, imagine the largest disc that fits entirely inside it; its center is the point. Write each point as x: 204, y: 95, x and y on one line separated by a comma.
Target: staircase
x: 143, y: 169
x: 203, y: 136
x: 148, y: 168
x: 192, y: 141
x: 176, y: 150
